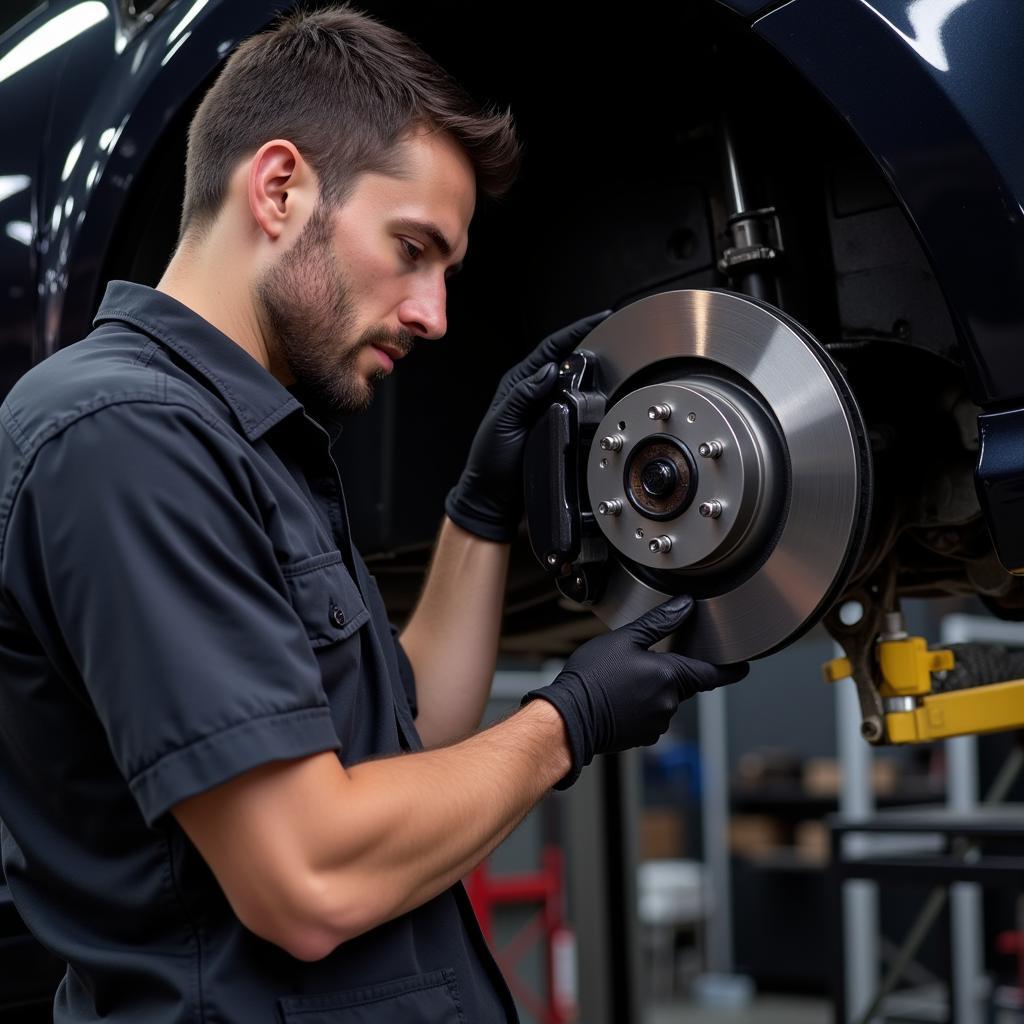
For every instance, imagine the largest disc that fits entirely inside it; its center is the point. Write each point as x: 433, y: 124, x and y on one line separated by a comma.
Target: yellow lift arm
x: 915, y: 714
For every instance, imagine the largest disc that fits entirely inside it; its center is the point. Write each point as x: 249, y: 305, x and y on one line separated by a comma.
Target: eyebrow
x: 435, y: 234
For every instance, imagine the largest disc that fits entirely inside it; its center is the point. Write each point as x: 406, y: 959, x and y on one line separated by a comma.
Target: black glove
x: 488, y: 499
x: 615, y: 694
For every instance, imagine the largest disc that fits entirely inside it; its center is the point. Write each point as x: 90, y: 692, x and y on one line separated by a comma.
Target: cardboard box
x: 662, y: 834
x: 822, y: 776
x: 885, y: 776
x: 813, y: 842
x: 755, y: 835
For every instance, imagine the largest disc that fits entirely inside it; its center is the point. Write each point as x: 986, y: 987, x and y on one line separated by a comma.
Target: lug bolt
x: 710, y: 509
x: 660, y: 545
x: 612, y: 443
x: 611, y: 507
x: 659, y: 412
x: 710, y: 449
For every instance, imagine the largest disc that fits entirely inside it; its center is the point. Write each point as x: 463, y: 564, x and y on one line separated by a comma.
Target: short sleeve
x: 136, y: 551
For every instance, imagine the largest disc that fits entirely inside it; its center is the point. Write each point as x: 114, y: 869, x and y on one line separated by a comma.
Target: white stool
x: 672, y: 894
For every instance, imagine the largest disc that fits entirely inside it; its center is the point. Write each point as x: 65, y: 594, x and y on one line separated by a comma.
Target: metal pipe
x: 966, y: 924
x: 733, y: 182
x: 714, y: 773
x: 745, y: 232
x: 937, y: 898
x: 859, y: 898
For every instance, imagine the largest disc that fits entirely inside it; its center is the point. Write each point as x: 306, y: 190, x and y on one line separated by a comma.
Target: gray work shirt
x: 180, y: 602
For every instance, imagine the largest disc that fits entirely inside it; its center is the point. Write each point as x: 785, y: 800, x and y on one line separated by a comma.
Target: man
x: 197, y: 667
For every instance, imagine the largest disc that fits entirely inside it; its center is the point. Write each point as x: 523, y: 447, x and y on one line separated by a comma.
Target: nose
x: 423, y: 312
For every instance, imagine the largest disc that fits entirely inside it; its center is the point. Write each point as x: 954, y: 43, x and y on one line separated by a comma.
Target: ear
x: 281, y: 187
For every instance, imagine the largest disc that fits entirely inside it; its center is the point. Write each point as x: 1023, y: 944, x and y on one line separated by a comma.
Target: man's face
x: 366, y: 280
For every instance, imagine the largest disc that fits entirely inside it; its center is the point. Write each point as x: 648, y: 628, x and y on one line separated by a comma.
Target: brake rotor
x: 731, y: 464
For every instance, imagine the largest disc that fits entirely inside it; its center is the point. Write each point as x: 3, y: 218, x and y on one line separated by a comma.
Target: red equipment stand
x: 1010, y: 944
x: 548, y: 926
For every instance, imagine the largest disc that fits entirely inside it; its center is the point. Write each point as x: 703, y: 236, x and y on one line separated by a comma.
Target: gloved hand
x: 488, y: 499
x: 615, y: 694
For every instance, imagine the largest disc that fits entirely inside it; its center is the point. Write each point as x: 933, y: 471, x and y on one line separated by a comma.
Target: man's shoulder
x: 111, y: 367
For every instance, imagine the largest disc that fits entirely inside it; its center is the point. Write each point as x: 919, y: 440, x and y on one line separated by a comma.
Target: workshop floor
x: 764, y: 1010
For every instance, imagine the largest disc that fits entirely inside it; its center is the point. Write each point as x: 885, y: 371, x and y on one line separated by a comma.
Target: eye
x: 412, y: 252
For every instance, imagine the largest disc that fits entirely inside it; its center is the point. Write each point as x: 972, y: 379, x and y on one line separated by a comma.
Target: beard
x: 309, y: 316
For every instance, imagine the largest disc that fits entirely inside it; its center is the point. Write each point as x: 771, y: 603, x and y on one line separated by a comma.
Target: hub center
x: 659, y: 478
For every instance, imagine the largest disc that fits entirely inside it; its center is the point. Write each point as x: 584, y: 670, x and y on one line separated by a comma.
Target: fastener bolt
x: 552, y: 559
x: 611, y: 507
x: 710, y: 449
x: 612, y: 443
x: 871, y: 729
x: 659, y: 412
x: 710, y: 509
x: 660, y: 545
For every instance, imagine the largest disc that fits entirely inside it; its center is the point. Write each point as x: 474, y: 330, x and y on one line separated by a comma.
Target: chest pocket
x: 326, y: 598
x: 337, y: 626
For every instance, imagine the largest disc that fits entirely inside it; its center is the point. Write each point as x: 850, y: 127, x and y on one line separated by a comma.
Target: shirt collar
x: 255, y: 396
x: 319, y: 411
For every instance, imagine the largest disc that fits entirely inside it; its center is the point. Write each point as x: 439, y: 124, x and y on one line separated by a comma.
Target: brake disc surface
x: 731, y: 463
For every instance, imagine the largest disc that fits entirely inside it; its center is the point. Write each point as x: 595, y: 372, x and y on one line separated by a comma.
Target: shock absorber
x: 749, y: 261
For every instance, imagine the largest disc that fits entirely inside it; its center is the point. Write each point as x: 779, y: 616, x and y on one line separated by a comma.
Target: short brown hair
x: 344, y: 89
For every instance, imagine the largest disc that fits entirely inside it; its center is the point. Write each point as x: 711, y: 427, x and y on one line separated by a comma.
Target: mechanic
x: 199, y: 681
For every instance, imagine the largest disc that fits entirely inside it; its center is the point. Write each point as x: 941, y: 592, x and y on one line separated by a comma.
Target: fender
x: 932, y: 89
x: 115, y: 125
x: 936, y: 109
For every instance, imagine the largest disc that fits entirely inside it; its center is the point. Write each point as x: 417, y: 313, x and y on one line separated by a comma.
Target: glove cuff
x: 478, y: 521
x: 565, y: 704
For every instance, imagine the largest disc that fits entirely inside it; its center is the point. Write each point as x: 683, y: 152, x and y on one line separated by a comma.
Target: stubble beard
x: 308, y: 314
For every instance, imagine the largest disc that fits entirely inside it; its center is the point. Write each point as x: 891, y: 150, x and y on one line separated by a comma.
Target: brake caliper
x: 562, y: 527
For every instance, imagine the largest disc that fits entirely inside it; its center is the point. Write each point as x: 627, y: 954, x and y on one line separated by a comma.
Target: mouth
x: 388, y: 354
x: 391, y: 351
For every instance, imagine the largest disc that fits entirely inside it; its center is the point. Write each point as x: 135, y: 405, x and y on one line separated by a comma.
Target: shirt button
x: 337, y: 616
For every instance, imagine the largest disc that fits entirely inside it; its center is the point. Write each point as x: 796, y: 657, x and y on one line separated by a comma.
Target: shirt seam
x: 312, y: 564
x: 31, y: 453
x: 444, y: 978
x: 252, y: 427
x: 13, y: 428
x: 198, y: 998
x: 146, y: 353
x: 151, y: 329
x: 151, y: 770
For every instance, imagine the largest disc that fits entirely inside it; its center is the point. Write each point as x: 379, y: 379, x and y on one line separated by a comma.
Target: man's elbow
x: 311, y: 919
x: 303, y: 943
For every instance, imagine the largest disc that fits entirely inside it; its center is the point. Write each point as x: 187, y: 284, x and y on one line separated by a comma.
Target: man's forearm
x: 310, y: 854
x: 428, y: 819
x: 452, y: 637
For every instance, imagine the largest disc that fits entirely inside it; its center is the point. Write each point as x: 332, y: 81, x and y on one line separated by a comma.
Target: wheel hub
x: 730, y: 462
